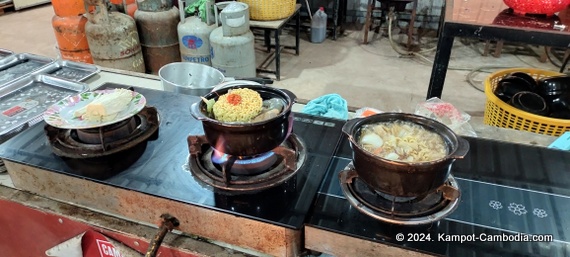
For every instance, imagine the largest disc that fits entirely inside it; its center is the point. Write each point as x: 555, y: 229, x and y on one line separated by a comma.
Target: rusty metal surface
x: 293, y: 155
x: 167, y: 224
x: 154, y: 5
x: 205, y: 223
x: 115, y: 43
x: 64, y: 144
x: 58, y: 221
x: 159, y: 56
x: 133, y: 63
x: 159, y: 37
x: 323, y: 241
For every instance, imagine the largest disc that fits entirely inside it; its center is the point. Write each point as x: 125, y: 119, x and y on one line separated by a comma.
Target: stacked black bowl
x: 548, y: 96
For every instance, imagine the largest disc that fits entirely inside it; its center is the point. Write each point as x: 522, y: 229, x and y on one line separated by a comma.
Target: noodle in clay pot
x: 402, y: 141
x: 243, y: 105
x: 246, y: 120
x: 403, y: 154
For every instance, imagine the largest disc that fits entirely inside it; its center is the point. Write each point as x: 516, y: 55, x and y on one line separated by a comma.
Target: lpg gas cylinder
x: 232, y: 50
x: 194, y: 36
x: 71, y: 40
x: 115, y: 5
x: 69, y: 28
x: 64, y: 8
x: 156, y: 22
x: 113, y: 38
x: 130, y: 7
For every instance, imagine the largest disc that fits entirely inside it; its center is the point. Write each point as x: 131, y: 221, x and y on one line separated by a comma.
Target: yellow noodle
x: 411, y: 142
x: 249, y: 106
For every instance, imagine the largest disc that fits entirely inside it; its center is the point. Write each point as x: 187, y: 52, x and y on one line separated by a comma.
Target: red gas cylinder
x: 71, y: 40
x: 69, y: 28
x: 130, y: 7
x: 68, y: 7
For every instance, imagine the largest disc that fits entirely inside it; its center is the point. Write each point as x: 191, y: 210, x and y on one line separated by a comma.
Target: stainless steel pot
x: 196, y: 79
x: 403, y: 179
x: 189, y: 78
x: 247, y: 139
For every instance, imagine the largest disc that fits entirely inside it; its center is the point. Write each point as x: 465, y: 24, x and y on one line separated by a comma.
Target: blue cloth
x: 330, y: 106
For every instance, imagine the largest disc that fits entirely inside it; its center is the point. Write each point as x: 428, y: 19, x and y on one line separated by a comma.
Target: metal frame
x: 453, y: 29
x: 276, y: 55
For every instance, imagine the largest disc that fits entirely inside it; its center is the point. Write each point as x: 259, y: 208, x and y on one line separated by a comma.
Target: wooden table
x: 276, y: 27
x: 492, y: 20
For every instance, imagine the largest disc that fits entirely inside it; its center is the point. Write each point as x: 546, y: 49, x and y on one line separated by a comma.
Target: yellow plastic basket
x: 268, y: 10
x: 500, y: 114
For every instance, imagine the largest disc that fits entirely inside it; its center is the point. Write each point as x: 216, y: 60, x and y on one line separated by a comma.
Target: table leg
x: 342, y: 16
x: 277, y: 55
x: 440, y: 64
x: 297, y: 32
x: 368, y: 22
x: 335, y: 18
x: 411, y: 24
x: 266, y: 36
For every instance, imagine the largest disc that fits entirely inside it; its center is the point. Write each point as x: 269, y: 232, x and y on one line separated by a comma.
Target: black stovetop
x: 506, y: 188
x: 162, y: 169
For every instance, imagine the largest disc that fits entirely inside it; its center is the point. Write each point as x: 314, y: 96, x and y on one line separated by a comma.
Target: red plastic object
x: 506, y: 18
x: 548, y: 7
x: 26, y: 231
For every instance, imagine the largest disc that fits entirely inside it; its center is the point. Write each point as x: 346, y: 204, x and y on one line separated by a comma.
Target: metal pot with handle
x: 195, y: 78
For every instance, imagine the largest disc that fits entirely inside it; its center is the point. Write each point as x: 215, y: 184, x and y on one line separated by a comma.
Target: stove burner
x: 245, y: 174
x: 391, y: 198
x: 244, y: 165
x: 80, y: 144
x: 115, y: 154
x: 399, y: 210
x: 107, y: 134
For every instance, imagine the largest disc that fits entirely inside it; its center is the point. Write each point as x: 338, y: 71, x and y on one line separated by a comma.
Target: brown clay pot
x: 403, y: 179
x: 247, y: 139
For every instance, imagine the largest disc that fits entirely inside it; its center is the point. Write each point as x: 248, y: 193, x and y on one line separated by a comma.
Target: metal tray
x: 17, y: 66
x: 23, y: 102
x: 5, y: 53
x: 74, y: 71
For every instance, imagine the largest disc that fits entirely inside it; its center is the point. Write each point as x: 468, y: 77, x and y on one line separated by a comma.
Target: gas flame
x: 219, y: 156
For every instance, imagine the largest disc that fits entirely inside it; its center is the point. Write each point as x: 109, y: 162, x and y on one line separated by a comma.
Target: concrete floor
x: 372, y: 75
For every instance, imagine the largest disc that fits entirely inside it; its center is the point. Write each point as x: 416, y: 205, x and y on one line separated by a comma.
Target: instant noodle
x: 238, y: 105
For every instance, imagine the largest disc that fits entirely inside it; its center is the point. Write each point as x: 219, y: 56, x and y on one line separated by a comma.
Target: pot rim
x: 218, y: 75
x: 454, y: 142
x: 286, y: 95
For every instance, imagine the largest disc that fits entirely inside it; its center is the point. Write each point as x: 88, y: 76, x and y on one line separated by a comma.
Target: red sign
x: 97, y: 245
x: 107, y: 249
